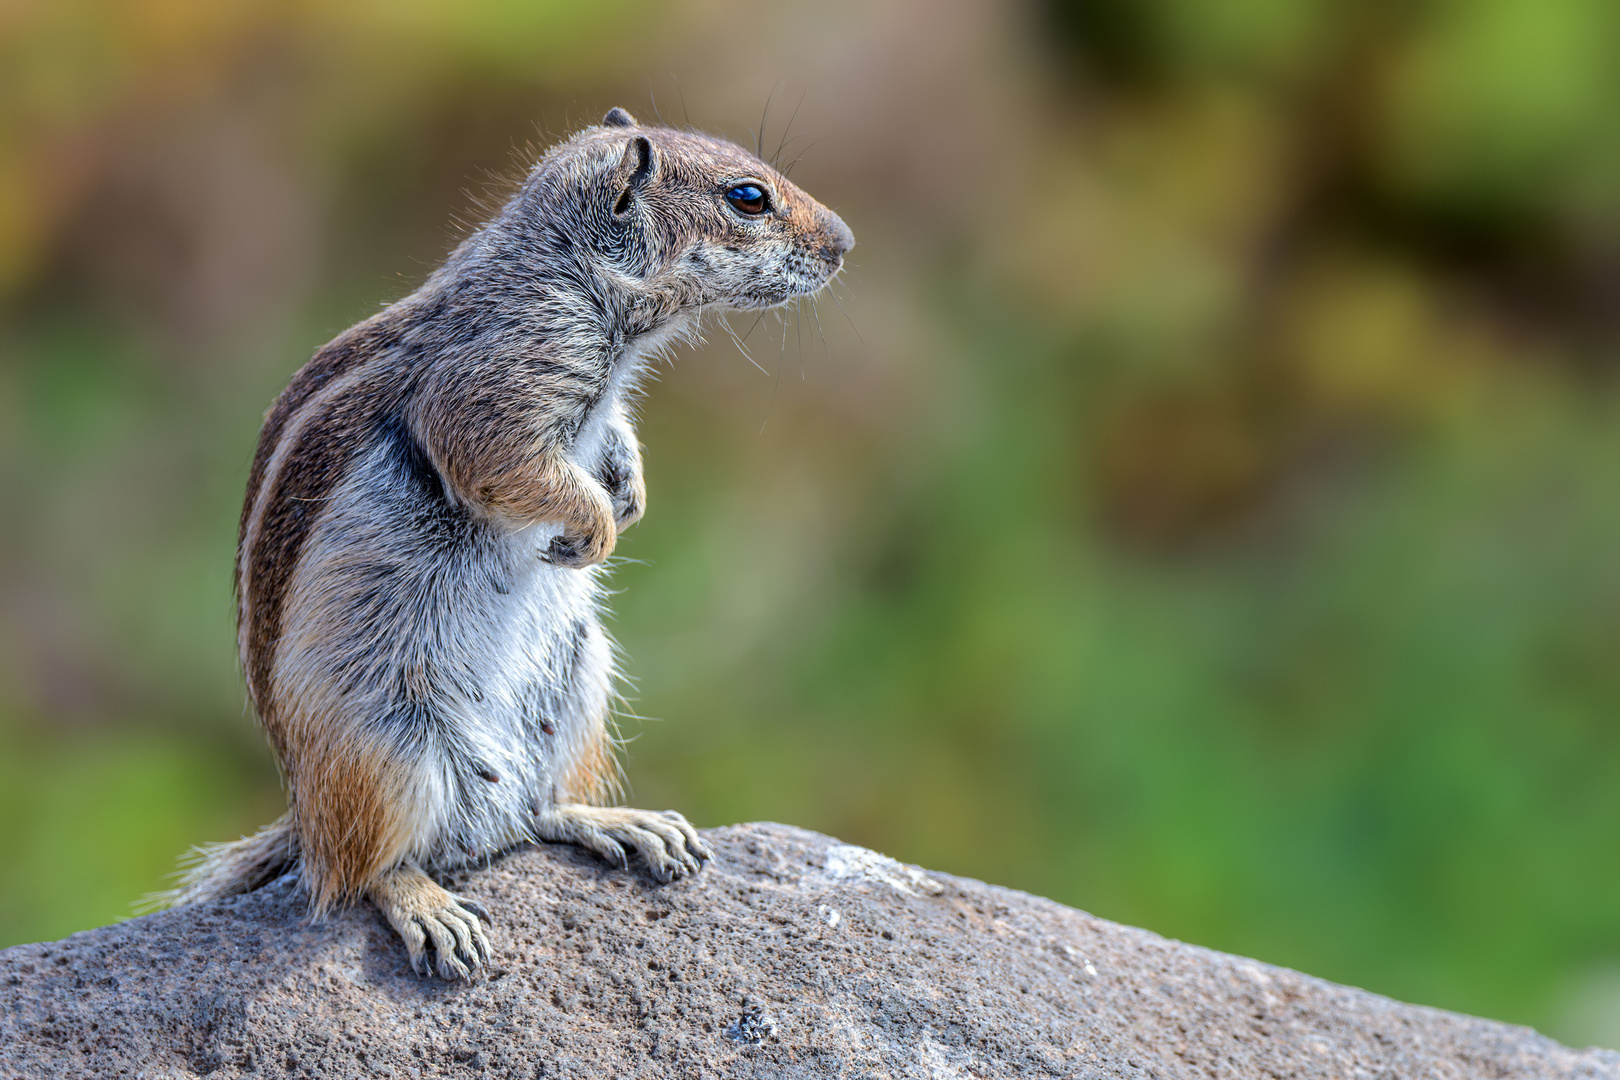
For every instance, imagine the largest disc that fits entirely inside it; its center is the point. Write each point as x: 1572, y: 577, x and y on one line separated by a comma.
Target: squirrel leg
x: 421, y: 911
x: 665, y: 840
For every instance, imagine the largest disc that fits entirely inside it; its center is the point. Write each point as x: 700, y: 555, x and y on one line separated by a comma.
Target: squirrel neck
x: 537, y: 291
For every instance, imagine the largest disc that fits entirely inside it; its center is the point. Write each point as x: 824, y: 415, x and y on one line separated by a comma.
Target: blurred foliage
x: 1208, y: 513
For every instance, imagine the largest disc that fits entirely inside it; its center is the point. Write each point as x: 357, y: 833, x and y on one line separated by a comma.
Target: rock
x: 792, y: 956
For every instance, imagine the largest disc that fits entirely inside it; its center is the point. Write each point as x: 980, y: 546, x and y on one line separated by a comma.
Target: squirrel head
x: 684, y: 219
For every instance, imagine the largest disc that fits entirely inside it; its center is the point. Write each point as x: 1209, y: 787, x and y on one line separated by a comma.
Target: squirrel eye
x: 747, y: 198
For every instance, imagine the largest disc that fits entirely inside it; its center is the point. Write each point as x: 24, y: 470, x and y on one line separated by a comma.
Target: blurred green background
x: 1204, y: 510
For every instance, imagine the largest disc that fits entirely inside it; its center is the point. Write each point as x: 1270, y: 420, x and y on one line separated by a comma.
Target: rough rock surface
x: 792, y: 956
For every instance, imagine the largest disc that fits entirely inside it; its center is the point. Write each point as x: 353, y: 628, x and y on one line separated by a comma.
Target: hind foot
x: 421, y: 910
x: 665, y: 841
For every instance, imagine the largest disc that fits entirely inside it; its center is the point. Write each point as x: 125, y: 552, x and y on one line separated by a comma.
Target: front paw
x: 629, y: 501
x: 620, y: 476
x: 578, y: 550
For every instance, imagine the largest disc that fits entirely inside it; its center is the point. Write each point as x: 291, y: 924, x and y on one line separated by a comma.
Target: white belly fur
x: 453, y: 661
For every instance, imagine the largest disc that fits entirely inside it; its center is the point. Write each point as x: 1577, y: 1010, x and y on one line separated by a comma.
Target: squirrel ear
x: 617, y: 117
x: 638, y: 165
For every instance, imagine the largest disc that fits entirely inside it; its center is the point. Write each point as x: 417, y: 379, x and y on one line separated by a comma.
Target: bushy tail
x: 214, y: 871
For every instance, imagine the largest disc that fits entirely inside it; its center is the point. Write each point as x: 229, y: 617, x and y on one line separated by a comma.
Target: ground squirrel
x: 418, y: 567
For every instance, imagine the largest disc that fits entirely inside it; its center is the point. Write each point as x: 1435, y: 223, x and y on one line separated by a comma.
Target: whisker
x: 847, y: 319
x: 654, y: 99
x: 759, y: 136
x: 778, y: 155
x: 687, y: 113
x: 740, y: 347
x: 782, y: 148
x: 811, y: 146
x: 815, y: 313
x: 757, y: 320
x: 798, y: 333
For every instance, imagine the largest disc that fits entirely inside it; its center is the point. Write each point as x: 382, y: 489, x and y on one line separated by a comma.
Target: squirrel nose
x: 838, y: 238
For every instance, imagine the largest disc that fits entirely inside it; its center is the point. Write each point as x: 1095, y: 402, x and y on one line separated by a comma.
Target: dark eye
x: 748, y: 198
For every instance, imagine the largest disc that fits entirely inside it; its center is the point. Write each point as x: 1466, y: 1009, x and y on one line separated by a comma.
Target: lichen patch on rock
x: 846, y: 862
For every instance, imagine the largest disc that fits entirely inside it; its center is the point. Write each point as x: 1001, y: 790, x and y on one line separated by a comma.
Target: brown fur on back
x: 281, y: 507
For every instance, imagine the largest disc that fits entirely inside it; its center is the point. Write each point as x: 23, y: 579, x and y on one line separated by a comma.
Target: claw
x: 664, y: 840
x: 693, y: 847
x: 422, y: 911
x: 474, y: 906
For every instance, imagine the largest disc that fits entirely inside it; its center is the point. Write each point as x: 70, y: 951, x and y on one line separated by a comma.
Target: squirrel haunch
x: 433, y: 495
